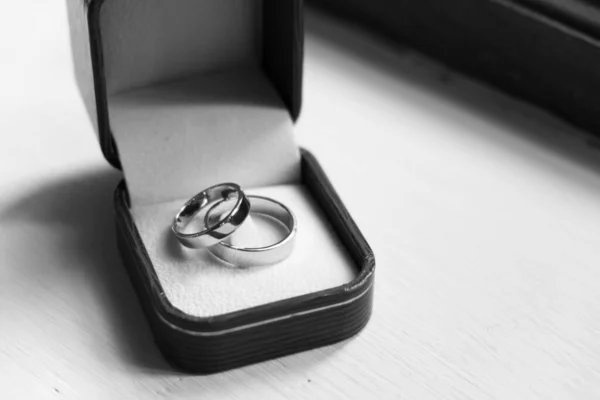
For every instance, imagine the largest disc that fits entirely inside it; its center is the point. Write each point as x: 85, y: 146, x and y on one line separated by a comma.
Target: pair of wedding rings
x: 219, y: 225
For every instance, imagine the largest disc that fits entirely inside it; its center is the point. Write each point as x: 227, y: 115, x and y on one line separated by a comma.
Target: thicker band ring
x: 225, y: 226
x: 258, y: 256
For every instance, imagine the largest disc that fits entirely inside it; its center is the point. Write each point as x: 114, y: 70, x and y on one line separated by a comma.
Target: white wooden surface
x: 484, y: 215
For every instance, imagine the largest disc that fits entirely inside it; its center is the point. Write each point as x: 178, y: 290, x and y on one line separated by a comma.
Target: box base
x: 209, y: 345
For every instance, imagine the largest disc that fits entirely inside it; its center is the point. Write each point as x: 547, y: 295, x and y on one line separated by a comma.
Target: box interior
x: 190, y: 106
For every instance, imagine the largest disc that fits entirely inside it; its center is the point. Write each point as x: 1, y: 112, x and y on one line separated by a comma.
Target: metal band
x: 258, y: 256
x: 225, y: 226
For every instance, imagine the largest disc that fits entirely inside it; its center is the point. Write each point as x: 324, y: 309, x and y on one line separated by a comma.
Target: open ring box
x: 185, y: 94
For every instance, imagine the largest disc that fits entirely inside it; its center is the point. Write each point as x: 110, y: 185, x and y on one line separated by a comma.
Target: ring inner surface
x: 262, y: 206
x: 191, y: 220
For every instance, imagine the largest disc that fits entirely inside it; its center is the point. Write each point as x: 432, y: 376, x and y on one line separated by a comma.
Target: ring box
x: 544, y: 51
x: 188, y: 93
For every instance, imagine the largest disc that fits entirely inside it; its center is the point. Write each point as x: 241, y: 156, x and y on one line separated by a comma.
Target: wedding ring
x: 223, y: 227
x: 257, y: 256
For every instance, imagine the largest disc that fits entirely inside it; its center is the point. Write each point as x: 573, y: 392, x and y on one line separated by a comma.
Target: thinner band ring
x: 258, y: 256
x: 225, y: 226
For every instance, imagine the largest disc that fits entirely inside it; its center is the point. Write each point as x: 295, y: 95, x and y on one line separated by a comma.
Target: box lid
x: 282, y: 59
